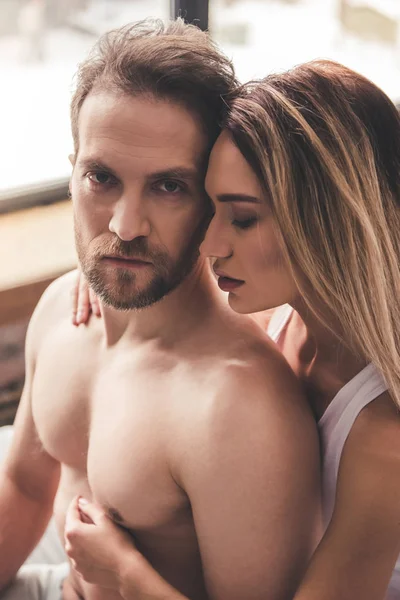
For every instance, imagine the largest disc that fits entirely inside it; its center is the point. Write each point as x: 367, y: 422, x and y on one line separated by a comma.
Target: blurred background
x: 41, y: 43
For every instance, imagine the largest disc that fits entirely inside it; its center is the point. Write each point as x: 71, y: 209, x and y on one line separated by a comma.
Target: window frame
x: 193, y: 11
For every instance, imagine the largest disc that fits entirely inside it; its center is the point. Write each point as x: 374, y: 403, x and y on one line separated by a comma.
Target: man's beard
x: 119, y: 289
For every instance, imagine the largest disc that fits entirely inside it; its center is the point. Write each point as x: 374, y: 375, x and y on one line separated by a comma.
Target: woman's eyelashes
x: 244, y: 223
x: 227, y: 213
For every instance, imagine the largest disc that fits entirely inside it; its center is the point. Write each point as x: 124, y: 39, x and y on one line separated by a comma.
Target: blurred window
x: 41, y: 44
x: 264, y: 36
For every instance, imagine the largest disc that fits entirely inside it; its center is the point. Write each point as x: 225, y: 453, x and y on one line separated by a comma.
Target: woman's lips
x: 227, y: 284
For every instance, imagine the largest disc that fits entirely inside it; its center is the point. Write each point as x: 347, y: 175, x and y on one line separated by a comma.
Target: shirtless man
x: 172, y: 412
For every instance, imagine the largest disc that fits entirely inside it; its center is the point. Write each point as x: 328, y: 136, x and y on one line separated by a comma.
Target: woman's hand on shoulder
x: 84, y: 300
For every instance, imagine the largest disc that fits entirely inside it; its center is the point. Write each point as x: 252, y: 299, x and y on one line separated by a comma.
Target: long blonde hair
x: 325, y: 144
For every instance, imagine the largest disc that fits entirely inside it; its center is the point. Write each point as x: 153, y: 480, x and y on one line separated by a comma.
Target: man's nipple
x: 115, y: 515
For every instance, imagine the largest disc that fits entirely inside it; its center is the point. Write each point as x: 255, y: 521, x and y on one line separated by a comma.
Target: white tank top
x: 335, y: 425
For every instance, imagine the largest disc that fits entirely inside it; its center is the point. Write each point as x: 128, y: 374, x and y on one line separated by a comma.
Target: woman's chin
x: 243, y: 306
x: 246, y: 306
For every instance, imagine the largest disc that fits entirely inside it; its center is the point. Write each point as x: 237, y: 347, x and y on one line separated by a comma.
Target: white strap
x: 278, y: 321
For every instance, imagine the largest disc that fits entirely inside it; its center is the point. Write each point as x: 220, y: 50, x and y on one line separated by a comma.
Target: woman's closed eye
x: 244, y: 223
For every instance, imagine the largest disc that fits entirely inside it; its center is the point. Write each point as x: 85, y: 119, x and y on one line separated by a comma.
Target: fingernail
x: 79, y: 316
x: 82, y: 501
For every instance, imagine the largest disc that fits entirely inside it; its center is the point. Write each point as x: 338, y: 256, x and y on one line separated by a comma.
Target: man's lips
x: 226, y: 283
x: 126, y: 261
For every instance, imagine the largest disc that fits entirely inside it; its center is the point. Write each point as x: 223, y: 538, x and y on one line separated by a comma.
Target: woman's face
x: 242, y: 238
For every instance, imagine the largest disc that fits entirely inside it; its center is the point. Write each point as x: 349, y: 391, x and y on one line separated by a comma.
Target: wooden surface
x: 36, y: 246
x: 35, y: 243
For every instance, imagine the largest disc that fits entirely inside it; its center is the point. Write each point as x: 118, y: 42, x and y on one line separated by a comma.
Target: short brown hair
x: 171, y: 61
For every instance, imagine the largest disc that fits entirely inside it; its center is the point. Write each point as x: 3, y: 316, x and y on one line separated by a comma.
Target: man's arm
x: 28, y: 477
x: 252, y: 475
x: 359, y: 550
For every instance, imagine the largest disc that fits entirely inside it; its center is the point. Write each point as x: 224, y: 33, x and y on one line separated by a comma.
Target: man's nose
x: 129, y: 219
x: 216, y: 243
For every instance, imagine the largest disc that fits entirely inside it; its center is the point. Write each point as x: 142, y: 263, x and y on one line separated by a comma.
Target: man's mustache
x: 137, y: 248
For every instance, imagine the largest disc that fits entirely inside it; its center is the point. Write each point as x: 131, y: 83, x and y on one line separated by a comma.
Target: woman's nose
x: 216, y: 243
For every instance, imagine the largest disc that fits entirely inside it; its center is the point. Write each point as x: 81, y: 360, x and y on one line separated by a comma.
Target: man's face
x: 140, y: 210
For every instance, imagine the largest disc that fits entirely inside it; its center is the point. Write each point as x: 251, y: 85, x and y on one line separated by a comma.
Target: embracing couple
x: 195, y: 444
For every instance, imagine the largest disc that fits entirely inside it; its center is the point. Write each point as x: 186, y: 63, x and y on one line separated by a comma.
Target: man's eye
x: 169, y: 187
x: 244, y: 223
x: 100, y: 178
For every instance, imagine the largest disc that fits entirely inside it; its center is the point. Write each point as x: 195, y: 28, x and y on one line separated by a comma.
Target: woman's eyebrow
x: 237, y: 198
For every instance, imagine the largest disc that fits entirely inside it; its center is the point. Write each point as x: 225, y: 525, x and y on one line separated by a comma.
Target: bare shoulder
x: 254, y: 402
x: 374, y: 441
x: 57, y: 295
x: 52, y: 309
x: 263, y: 390
x: 247, y: 456
x: 251, y: 428
x: 259, y: 375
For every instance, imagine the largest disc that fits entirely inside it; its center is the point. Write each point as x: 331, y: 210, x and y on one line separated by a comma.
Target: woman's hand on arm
x: 84, y: 300
x: 104, y: 554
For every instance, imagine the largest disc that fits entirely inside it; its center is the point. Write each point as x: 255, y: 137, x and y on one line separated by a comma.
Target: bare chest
x: 132, y: 427
x: 111, y: 426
